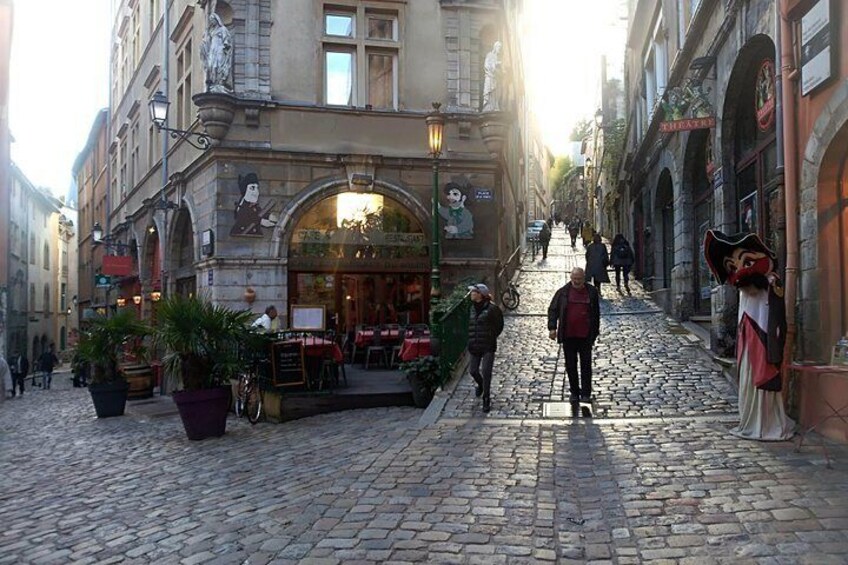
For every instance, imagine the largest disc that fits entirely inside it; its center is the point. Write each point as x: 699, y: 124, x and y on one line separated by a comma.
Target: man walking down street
x: 484, y: 326
x: 545, y: 239
x: 46, y: 363
x: 20, y: 368
x: 597, y: 260
x: 574, y: 320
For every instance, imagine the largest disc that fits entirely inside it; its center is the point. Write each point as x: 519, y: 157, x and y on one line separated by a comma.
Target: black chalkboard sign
x: 287, y: 363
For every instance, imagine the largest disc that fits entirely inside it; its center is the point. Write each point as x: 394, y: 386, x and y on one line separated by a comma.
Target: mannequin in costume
x: 743, y: 260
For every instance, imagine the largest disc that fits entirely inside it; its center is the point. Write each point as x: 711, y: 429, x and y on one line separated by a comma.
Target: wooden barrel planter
x: 140, y: 379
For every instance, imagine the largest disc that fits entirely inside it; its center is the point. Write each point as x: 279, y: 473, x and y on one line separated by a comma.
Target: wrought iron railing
x: 451, y: 330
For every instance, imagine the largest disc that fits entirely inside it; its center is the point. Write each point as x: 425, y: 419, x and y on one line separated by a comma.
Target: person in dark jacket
x: 545, y: 239
x: 574, y: 230
x: 622, y: 260
x: 484, y: 326
x: 46, y: 363
x: 574, y: 320
x: 597, y: 260
x: 19, y: 365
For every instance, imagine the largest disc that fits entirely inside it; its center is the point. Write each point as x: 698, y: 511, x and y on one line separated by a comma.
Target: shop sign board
x: 765, y: 97
x: 688, y: 124
x: 687, y: 108
x: 305, y: 318
x: 816, y: 47
x: 117, y: 265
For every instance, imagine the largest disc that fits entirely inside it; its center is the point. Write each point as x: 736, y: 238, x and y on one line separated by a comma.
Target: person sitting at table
x: 267, y: 321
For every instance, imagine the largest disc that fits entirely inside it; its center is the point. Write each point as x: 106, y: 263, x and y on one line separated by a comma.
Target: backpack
x: 621, y: 252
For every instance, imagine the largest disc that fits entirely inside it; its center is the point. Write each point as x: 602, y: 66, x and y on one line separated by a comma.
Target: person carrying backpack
x: 545, y: 239
x: 622, y: 261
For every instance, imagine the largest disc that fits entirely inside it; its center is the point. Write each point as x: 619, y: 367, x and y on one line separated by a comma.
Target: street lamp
x: 158, y: 106
x: 435, y: 132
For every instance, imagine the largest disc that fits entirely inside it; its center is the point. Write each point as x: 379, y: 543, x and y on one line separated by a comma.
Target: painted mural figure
x: 460, y: 222
x: 250, y: 218
x: 744, y: 261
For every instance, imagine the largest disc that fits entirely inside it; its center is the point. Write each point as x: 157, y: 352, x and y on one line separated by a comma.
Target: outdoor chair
x: 376, y: 347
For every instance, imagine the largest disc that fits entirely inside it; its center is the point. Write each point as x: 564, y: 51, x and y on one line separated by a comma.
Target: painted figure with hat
x: 459, y: 223
x: 250, y: 218
x: 744, y: 261
x: 484, y: 326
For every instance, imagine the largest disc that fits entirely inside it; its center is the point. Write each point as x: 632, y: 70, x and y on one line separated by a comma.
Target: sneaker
x: 486, y: 406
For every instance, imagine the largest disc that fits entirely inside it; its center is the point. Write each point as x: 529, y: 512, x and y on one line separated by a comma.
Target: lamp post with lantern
x: 435, y: 131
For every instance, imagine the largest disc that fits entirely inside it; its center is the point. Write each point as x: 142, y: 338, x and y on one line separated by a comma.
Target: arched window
x: 46, y: 256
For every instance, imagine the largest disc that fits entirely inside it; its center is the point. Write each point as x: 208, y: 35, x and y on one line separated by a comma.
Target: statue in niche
x: 492, y: 70
x: 216, y: 51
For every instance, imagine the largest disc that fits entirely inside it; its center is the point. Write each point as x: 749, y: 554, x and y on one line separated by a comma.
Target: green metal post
x: 435, y: 257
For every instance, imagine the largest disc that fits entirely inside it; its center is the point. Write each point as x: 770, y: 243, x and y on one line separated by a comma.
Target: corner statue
x: 216, y: 52
x: 744, y: 261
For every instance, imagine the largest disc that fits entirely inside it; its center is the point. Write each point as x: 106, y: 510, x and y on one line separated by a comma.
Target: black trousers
x: 545, y: 248
x: 480, y: 368
x: 575, y: 347
x: 18, y: 381
x: 618, y: 270
x: 573, y: 239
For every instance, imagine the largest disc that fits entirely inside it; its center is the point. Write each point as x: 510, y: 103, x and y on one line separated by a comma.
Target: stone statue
x: 491, y: 76
x: 216, y: 50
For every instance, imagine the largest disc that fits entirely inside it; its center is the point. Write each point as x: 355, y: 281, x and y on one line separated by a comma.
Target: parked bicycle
x: 510, y: 298
x: 249, y: 397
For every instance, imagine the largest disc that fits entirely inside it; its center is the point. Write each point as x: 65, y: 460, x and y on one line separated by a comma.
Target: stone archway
x: 699, y: 188
x: 663, y: 214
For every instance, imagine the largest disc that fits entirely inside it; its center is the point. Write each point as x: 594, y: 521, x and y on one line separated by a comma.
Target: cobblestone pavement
x: 372, y: 486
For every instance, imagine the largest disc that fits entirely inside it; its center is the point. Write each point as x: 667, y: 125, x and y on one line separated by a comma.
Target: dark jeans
x: 18, y: 381
x: 480, y: 368
x: 573, y: 239
x: 572, y: 347
x: 618, y: 270
x: 597, y: 284
x: 545, y: 248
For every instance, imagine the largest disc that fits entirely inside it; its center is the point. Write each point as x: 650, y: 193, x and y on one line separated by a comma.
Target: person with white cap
x: 485, y: 325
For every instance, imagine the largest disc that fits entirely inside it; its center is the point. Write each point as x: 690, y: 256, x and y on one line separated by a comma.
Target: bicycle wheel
x: 253, y: 404
x: 240, y: 396
x: 510, y: 299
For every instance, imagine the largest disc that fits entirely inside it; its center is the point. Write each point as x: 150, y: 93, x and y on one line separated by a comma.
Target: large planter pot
x: 421, y: 393
x: 109, y: 398
x: 204, y: 412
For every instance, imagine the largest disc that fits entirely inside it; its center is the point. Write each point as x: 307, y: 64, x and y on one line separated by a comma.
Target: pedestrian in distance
x: 484, y: 326
x: 574, y: 231
x: 20, y: 368
x: 587, y: 232
x: 545, y: 240
x: 47, y: 362
x: 597, y: 261
x: 622, y: 261
x: 574, y: 320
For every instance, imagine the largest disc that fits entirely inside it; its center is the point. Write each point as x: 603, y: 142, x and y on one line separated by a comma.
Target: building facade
x: 35, y: 271
x: 317, y: 187
x: 5, y: 168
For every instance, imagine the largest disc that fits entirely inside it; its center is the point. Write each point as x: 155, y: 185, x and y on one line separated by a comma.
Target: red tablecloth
x: 365, y: 337
x: 318, y: 347
x: 414, y: 347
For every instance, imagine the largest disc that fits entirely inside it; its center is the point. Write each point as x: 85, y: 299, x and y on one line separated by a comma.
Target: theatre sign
x: 687, y: 108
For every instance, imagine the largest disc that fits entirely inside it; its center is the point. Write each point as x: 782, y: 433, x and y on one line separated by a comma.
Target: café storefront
x: 364, y: 257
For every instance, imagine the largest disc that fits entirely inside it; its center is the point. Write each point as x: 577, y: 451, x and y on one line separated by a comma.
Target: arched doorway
x: 364, y: 257
x: 749, y: 125
x: 697, y: 178
x: 180, y: 259
x: 664, y: 215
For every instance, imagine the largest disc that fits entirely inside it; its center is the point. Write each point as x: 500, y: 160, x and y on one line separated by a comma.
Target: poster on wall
x: 250, y: 216
x: 459, y: 221
x: 748, y: 213
x: 816, y: 50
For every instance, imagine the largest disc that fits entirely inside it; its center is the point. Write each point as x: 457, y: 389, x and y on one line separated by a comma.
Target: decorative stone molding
x: 216, y: 111
x: 494, y: 127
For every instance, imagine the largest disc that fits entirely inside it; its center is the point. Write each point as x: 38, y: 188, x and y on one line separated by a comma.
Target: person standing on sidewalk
x: 545, y: 239
x: 597, y: 260
x: 6, y: 380
x: 20, y: 368
x: 46, y: 363
x: 574, y: 231
x: 622, y: 260
x: 484, y: 326
x: 574, y: 320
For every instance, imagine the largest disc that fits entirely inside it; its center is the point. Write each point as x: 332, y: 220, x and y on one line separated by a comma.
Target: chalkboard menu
x: 287, y: 363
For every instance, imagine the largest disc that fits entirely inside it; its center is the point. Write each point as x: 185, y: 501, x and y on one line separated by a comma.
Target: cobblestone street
x: 653, y: 477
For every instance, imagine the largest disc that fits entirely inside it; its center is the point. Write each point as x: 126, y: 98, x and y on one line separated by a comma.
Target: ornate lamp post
x: 435, y: 131
x: 158, y: 106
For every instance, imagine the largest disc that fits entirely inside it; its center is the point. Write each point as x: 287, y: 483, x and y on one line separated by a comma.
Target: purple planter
x: 204, y: 412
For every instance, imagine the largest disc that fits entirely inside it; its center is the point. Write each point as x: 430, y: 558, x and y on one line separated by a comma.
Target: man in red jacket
x: 574, y: 320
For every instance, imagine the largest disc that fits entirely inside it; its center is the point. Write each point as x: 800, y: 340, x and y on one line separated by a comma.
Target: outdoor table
x: 364, y: 338
x: 319, y: 347
x: 414, y: 347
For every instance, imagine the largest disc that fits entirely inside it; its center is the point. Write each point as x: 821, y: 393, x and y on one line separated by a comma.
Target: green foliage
x: 562, y: 166
x: 202, y: 340
x: 613, y: 149
x: 427, y: 369
x: 459, y: 293
x: 105, y: 340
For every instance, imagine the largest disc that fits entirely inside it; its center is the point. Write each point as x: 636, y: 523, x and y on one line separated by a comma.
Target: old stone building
x: 317, y: 186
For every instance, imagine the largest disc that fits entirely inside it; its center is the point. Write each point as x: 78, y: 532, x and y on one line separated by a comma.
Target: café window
x: 358, y: 227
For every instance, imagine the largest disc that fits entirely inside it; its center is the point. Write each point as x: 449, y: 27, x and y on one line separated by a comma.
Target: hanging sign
x: 764, y: 96
x: 687, y: 108
x: 117, y: 265
x: 816, y: 51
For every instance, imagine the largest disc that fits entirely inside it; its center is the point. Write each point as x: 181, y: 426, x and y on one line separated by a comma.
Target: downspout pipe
x: 786, y: 112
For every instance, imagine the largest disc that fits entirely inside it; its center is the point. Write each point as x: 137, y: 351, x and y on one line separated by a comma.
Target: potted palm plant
x: 102, y: 344
x: 201, y: 341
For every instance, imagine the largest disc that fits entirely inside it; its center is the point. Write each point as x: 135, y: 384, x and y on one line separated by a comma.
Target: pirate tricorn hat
x: 718, y: 245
